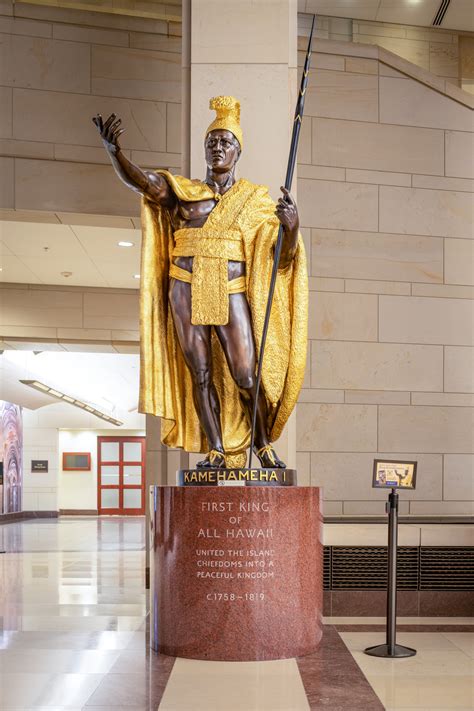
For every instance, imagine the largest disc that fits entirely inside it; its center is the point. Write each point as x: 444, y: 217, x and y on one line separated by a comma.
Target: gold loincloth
x: 234, y: 286
x: 209, y: 279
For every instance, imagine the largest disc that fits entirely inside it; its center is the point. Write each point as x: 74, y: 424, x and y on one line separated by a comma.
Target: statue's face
x: 222, y: 150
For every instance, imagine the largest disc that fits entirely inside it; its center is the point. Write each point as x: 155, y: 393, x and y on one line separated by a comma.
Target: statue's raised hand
x: 109, y: 131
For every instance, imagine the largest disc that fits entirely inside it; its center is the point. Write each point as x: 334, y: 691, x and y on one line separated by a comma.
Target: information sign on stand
x: 389, y: 474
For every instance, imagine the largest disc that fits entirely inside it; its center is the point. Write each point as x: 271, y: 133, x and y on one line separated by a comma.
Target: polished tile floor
x: 73, y: 635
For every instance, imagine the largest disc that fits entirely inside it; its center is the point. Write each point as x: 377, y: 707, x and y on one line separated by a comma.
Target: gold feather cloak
x: 165, y: 382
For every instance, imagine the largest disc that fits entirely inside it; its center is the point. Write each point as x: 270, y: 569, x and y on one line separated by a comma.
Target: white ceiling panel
x: 35, y: 239
x: 355, y: 9
x: 15, y: 272
x: 408, y: 12
x: 79, y: 218
x: 48, y: 269
x: 459, y: 16
x: 103, y: 241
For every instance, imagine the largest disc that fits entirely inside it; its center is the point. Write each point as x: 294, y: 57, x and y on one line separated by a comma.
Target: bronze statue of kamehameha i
x: 208, y: 250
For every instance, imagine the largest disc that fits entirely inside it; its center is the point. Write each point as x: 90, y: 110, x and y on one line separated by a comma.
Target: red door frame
x: 121, y: 486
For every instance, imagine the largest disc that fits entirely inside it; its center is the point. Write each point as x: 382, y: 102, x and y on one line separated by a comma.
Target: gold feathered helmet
x: 227, y: 109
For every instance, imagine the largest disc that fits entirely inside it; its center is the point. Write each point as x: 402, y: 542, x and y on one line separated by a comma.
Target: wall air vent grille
x: 327, y: 568
x: 439, y: 17
x: 366, y: 568
x: 447, y: 568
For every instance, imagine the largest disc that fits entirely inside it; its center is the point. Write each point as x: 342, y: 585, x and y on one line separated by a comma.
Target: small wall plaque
x: 39, y: 465
x: 76, y: 461
x: 390, y: 474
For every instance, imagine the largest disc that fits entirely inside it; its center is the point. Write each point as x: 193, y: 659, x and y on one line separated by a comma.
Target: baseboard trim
x: 25, y: 515
x: 78, y: 512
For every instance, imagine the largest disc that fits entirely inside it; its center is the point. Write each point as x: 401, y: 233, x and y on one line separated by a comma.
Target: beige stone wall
x: 436, y: 50
x: 58, y: 67
x: 385, y: 193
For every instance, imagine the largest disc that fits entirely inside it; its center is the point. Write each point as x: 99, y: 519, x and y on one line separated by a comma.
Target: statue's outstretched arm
x: 144, y: 182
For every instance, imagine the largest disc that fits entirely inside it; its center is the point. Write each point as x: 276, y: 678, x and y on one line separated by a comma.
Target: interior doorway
x: 121, y: 475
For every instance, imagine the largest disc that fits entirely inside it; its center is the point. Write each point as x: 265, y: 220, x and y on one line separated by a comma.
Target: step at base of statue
x: 236, y: 477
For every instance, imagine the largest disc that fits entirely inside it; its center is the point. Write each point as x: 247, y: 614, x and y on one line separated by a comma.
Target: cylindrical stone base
x: 236, y: 572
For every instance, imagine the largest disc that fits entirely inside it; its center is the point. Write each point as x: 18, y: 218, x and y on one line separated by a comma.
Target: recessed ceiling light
x: 136, y: 276
x: 125, y: 244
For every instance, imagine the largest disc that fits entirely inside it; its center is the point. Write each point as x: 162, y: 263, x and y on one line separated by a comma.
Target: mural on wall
x: 11, y: 448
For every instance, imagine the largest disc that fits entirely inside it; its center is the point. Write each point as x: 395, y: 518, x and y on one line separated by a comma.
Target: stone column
x: 246, y: 49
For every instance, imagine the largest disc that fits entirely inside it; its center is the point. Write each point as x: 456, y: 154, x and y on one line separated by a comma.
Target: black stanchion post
x: 391, y: 648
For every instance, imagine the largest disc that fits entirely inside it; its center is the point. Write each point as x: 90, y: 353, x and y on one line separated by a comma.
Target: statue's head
x: 223, y: 143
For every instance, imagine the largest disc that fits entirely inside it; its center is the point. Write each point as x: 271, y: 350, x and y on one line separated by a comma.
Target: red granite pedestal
x: 236, y: 572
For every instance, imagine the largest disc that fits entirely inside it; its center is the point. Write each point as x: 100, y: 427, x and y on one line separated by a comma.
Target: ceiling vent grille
x: 439, y: 17
x: 447, y: 568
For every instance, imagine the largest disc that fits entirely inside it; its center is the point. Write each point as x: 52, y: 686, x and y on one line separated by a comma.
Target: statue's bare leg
x: 238, y: 344
x: 195, y: 342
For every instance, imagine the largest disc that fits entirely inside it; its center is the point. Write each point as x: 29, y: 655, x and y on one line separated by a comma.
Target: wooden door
x: 121, y: 475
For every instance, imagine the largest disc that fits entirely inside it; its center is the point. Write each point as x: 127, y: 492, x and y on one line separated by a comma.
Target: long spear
x: 276, y: 259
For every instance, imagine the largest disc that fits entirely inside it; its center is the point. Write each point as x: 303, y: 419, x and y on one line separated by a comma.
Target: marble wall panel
x: 7, y: 180
x: 377, y: 397
x: 346, y: 206
x: 26, y: 149
x: 72, y: 187
x: 6, y: 112
x: 458, y: 480
x: 377, y: 366
x: 413, y: 50
x: 136, y: 73
x: 25, y: 307
x: 444, y: 430
x: 426, y: 212
x: 304, y: 154
x: 378, y: 177
x: 444, y: 291
x: 336, y: 428
x: 348, y: 475
x: 361, y: 286
x: 459, y: 261
x: 343, y: 317
x: 441, y: 508
x: 411, y: 103
x: 342, y: 96
x: 38, y: 63
x: 68, y: 119
x: 110, y: 311
x: 443, y: 399
x: 173, y: 128
x: 444, y: 59
x: 356, y: 144
x: 18, y: 26
x: 441, y: 183
x: 159, y: 42
x: 460, y: 154
x: 360, y: 65
x: 415, y: 319
x: 459, y: 369
x: 262, y: 27
x: 365, y: 255
x: 90, y: 35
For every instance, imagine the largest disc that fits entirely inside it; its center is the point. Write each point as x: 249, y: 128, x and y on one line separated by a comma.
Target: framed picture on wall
x: 390, y: 474
x: 76, y: 461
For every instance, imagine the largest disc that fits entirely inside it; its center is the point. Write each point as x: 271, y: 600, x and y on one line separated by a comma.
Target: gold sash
x: 211, y: 247
x: 234, y: 286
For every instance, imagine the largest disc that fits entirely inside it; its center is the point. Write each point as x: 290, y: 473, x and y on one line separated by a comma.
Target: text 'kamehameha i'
x: 244, y: 477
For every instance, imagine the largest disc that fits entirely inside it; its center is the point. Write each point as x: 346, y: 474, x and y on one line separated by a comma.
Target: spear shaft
x: 276, y: 259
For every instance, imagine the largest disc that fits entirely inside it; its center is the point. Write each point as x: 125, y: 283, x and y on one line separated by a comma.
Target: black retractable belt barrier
x: 391, y: 648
